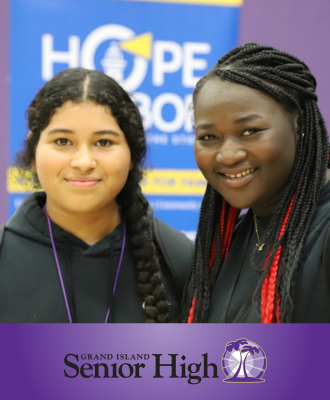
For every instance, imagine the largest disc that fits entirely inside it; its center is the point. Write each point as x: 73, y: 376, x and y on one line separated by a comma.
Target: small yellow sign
x: 172, y: 182
x: 229, y: 3
x: 19, y: 181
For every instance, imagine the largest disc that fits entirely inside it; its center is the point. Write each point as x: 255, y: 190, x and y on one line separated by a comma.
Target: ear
x: 131, y: 165
x: 297, y: 125
x: 33, y: 163
x: 300, y: 123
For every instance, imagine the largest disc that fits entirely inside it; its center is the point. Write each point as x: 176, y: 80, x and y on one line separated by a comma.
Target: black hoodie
x: 30, y: 288
x: 231, y: 299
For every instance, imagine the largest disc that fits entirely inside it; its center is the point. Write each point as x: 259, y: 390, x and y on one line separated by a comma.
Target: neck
x: 267, y: 210
x: 89, y: 227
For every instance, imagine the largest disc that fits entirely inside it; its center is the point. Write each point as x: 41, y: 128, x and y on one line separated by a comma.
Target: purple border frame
x: 32, y: 361
x: 4, y: 109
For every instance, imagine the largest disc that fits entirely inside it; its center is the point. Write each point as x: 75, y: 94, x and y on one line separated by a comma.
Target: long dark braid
x: 214, y: 234
x: 80, y: 85
x: 134, y: 207
x: 289, y: 81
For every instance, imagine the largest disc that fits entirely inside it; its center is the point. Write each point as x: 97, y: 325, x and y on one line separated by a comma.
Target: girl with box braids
x: 79, y: 85
x: 290, y: 83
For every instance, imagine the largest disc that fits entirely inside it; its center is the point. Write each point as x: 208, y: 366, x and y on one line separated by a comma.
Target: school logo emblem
x: 243, y: 362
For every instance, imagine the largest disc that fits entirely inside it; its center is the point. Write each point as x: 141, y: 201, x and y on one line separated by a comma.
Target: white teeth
x: 244, y: 173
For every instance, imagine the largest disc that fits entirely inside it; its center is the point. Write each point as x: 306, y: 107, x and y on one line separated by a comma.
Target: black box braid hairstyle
x: 290, y: 82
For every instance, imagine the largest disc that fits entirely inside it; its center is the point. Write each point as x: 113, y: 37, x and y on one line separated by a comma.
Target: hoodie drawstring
x: 111, y: 292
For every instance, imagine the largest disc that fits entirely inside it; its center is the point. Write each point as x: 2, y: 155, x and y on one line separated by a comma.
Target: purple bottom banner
x: 123, y: 361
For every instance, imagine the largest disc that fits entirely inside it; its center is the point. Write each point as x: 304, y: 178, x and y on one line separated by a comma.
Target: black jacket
x: 30, y: 289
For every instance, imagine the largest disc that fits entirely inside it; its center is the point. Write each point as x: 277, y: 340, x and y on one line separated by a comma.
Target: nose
x: 83, y: 159
x: 231, y: 152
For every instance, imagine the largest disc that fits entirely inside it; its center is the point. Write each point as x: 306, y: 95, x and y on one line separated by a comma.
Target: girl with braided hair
x: 87, y: 248
x: 262, y: 145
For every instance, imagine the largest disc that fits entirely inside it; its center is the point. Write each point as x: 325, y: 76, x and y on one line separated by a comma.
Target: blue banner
x: 157, y: 50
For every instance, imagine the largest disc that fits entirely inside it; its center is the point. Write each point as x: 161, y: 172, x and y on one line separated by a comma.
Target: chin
x: 237, y: 198
x: 80, y: 208
x: 240, y: 205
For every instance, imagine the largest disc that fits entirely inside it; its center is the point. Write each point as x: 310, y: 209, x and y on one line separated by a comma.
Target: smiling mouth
x: 238, y: 180
x: 83, y: 183
x: 240, y: 175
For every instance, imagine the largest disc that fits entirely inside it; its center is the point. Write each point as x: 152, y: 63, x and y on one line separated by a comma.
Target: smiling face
x: 82, y: 160
x: 245, y: 144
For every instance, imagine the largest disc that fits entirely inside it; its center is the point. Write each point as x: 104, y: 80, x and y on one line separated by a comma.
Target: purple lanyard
x: 59, y: 268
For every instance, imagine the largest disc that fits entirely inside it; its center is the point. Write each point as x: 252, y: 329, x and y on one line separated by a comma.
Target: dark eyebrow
x: 107, y: 132
x: 247, y: 118
x: 69, y: 131
x: 204, y: 126
x: 236, y: 121
x: 59, y: 130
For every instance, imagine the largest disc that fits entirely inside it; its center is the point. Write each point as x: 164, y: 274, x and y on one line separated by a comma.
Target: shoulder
x: 316, y: 248
x: 176, y: 250
x: 172, y: 240
x: 326, y: 251
x: 2, y: 231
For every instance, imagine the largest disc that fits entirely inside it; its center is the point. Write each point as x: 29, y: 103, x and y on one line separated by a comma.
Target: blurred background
x: 158, y: 50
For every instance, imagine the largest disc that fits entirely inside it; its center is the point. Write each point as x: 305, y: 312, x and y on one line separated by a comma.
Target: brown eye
x: 207, y: 137
x: 250, y: 132
x: 63, y: 142
x: 104, y: 143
